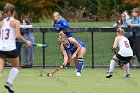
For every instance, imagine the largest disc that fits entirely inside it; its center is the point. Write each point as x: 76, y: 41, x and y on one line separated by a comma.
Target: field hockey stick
x: 39, y: 45
x: 51, y: 74
x: 119, y: 62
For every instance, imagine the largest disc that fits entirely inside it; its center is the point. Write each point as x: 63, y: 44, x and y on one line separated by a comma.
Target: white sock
x: 13, y: 73
x: 0, y: 74
x: 112, y: 66
x: 126, y: 66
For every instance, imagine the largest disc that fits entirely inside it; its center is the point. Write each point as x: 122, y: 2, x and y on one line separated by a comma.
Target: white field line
x: 108, y: 84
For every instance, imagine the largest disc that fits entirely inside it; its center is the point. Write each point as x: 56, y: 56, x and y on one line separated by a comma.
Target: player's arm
x: 64, y: 53
x: 115, y: 43
x: 73, y: 41
x: 19, y: 36
x: 1, y: 23
x: 64, y: 24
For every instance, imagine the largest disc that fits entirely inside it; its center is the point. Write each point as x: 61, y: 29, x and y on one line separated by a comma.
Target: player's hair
x: 1, y: 12
x: 9, y: 9
x: 57, y: 14
x: 62, y: 36
x: 136, y: 10
x: 27, y: 21
x: 120, y: 31
x: 121, y: 20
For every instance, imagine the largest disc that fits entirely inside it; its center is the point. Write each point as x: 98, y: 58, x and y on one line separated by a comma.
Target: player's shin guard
x: 112, y: 65
x: 13, y: 73
x: 80, y: 64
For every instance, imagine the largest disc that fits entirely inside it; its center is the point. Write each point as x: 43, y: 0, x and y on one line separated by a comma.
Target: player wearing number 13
x: 10, y: 30
x: 125, y: 53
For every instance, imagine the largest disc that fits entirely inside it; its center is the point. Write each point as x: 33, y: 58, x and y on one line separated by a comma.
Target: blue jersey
x: 62, y: 24
x: 72, y: 48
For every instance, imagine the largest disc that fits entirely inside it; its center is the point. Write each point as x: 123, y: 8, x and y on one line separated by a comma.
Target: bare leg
x: 75, y: 62
x: 2, y: 61
x: 82, y: 53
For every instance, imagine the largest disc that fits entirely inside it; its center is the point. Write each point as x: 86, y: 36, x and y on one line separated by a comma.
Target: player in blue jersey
x: 60, y: 23
x: 77, y: 49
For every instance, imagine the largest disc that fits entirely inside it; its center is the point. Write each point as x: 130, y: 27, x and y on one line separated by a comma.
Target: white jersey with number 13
x: 7, y: 36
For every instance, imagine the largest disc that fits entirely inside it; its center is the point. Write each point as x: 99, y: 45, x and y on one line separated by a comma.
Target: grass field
x: 65, y: 81
x: 77, y: 24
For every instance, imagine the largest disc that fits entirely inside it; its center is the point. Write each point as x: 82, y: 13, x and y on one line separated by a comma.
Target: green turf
x: 77, y: 24
x: 65, y: 81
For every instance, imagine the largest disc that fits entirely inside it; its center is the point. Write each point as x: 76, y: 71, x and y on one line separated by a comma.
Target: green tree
x: 36, y: 9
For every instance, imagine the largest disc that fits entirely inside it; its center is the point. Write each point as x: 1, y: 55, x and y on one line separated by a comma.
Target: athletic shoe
x: 109, y: 75
x: 9, y: 87
x: 78, y: 74
x: 127, y: 76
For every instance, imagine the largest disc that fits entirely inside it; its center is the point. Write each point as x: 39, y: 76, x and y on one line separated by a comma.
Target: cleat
x: 109, y: 75
x: 9, y: 87
x: 78, y: 74
x: 127, y: 76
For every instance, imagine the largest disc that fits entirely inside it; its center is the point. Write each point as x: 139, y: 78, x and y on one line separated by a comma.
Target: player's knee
x: 80, y: 56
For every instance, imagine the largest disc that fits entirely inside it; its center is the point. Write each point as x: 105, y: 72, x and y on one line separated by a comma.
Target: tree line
x: 72, y: 10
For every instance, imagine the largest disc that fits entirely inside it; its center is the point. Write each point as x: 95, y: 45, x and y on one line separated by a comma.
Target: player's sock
x: 80, y: 63
x: 0, y: 74
x: 13, y: 73
x: 126, y: 66
x: 112, y: 65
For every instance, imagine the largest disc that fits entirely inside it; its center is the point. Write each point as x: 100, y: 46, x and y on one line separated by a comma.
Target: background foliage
x: 73, y: 10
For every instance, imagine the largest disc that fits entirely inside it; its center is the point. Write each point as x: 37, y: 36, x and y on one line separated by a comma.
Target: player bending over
x: 125, y: 53
x: 9, y: 31
x: 77, y: 50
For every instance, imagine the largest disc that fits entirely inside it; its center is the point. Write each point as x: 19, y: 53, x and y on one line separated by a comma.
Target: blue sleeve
x: 64, y: 24
x: 136, y: 25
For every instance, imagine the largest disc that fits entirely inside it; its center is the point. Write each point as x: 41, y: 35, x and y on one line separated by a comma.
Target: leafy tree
x: 103, y: 9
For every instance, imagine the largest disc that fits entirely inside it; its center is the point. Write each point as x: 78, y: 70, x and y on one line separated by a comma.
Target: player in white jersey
x: 125, y: 53
x: 10, y: 30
